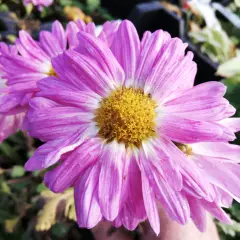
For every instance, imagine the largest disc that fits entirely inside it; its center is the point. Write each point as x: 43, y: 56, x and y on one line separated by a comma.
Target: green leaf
x: 4, y: 7
x: 229, y: 68
x: 17, y: 171
x: 233, y: 93
x: 235, y: 211
x: 65, y: 2
x: 215, y: 43
x: 59, y: 230
x: 4, y: 215
x: 237, y: 2
x: 29, y: 9
x: 36, y: 173
x: 10, y: 224
x: 41, y: 187
x: 231, y: 229
x: 5, y: 188
x: 7, y: 150
x: 93, y: 5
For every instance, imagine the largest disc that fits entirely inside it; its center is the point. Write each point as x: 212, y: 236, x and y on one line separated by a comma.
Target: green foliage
x: 229, y: 68
x: 93, y: 5
x: 17, y: 171
x: 215, y: 43
x: 237, y: 3
x: 232, y: 230
x: 3, y: 7
x: 41, y: 187
x: 235, y: 211
x: 25, y: 202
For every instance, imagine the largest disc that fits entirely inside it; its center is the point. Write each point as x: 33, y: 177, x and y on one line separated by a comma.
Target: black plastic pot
x: 120, y: 8
x: 227, y: 15
x: 8, y: 26
x: 153, y: 16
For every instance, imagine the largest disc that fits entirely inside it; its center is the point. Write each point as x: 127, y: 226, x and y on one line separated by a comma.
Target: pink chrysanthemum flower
x: 12, y: 121
x: 33, y: 61
x: 39, y: 3
x: 120, y: 120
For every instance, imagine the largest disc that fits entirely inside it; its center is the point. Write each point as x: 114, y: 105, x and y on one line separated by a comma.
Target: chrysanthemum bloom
x: 12, y: 121
x: 116, y: 119
x: 39, y: 3
x: 33, y: 62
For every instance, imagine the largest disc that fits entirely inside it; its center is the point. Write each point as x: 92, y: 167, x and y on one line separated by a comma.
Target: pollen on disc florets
x: 127, y: 115
x: 52, y: 73
x: 186, y: 149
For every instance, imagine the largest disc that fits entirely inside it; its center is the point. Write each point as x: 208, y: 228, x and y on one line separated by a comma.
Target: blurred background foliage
x: 28, y: 210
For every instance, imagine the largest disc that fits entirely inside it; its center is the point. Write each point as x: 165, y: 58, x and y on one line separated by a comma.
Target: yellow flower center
x: 186, y: 149
x: 127, y: 115
x: 52, y: 72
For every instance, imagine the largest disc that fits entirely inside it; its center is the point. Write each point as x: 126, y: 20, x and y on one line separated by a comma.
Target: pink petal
x: 59, y: 33
x: 90, y: 28
x: 150, y: 204
x: 127, y: 54
x: 71, y: 32
x: 216, y: 211
x: 81, y: 25
x: 108, y: 32
x: 232, y: 123
x: 173, y: 201
x: 223, y: 198
x: 10, y: 124
x: 145, y: 38
x: 68, y: 95
x: 179, y: 77
x: 65, y: 174
x: 66, y: 74
x: 204, y: 90
x: 129, y: 221
x: 99, y: 51
x: 134, y: 203
x: 110, y: 179
x: 49, y: 125
x: 150, y: 47
x: 26, y: 78
x: 16, y: 64
x: 86, y: 200
x: 38, y: 103
x: 55, y: 82
x: 184, y: 130
x: 51, y: 152
x: 50, y: 44
x: 10, y: 102
x: 227, y: 134
x: 90, y: 74
x: 221, y: 150
x: 198, y: 109
x: 117, y: 223
x: 191, y: 175
x: 164, y: 164
x: 29, y: 87
x: 221, y: 173
x: 6, y: 50
x: 31, y: 47
x: 162, y: 80
x: 198, y: 214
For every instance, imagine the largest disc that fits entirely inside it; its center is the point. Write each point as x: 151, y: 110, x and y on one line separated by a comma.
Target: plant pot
x: 8, y: 26
x: 120, y: 8
x: 153, y: 16
x: 227, y: 15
